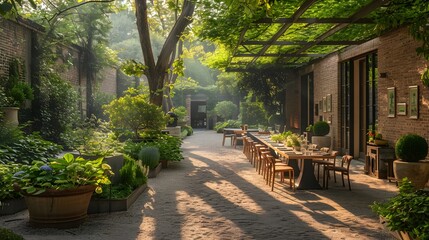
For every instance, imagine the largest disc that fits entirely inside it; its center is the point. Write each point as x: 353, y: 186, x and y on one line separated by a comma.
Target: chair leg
x: 342, y: 178
x: 327, y: 182
x: 318, y: 170
x: 272, y: 183
x: 348, y: 178
x: 223, y: 141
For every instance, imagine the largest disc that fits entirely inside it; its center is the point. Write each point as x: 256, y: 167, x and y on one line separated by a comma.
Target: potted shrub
x: 14, y: 91
x: 150, y: 158
x: 57, y: 193
x: 320, y: 130
x: 405, y: 213
x: 411, y: 149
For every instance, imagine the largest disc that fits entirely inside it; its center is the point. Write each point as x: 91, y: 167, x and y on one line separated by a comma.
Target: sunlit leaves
x: 133, y: 68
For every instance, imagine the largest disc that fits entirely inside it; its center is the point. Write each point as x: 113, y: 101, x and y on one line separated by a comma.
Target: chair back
x: 346, y: 160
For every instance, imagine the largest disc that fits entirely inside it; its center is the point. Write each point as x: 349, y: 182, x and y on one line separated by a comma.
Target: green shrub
x: 181, y: 113
x: 133, y: 173
x: 226, y: 109
x: 253, y: 113
x: 321, y: 128
x: 408, y: 211
x: 9, y: 133
x: 411, y: 148
x: 7, y: 190
x: 189, y: 129
x: 7, y: 234
x: 168, y: 146
x: 149, y: 156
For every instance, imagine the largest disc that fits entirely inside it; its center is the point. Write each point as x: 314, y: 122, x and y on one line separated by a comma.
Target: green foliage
x: 227, y: 124
x: 188, y: 129
x: 6, y: 181
x: 16, y: 91
x: 309, y: 128
x: 62, y: 173
x: 408, y: 211
x: 7, y: 234
x: 133, y: 173
x: 293, y: 140
x: 149, y: 157
x: 168, y: 146
x: 133, y: 68
x: 321, y: 128
x: 181, y: 113
x: 226, y: 109
x: 101, y: 99
x: 253, y: 113
x: 135, y: 113
x: 92, y: 137
x: 28, y: 149
x: 411, y: 148
x: 9, y: 133
x: 58, y: 106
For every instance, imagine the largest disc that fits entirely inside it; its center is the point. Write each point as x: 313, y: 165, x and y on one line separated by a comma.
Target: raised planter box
x: 12, y: 206
x: 97, y: 205
x: 154, y: 172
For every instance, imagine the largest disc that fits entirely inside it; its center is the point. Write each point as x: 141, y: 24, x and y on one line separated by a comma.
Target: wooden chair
x: 258, y: 158
x: 274, y: 168
x: 227, y: 134
x: 238, y: 136
x: 343, y: 169
x: 325, y: 162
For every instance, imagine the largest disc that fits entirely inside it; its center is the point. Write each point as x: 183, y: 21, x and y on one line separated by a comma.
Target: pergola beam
x: 279, y: 55
x: 284, y: 43
x: 315, y: 20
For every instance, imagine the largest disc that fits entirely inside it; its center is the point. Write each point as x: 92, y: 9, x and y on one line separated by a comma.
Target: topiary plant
x: 7, y: 234
x: 149, y: 156
x: 411, y: 148
x: 321, y: 128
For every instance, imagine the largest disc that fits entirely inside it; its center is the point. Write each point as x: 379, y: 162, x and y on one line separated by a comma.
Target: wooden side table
x: 379, y: 161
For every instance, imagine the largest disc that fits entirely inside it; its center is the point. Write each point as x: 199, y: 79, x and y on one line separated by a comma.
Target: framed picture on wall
x: 414, y: 102
x: 329, y: 103
x: 324, y: 104
x: 401, y: 109
x: 391, y: 102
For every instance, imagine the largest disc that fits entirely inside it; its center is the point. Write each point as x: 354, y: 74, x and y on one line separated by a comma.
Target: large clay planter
x: 321, y: 141
x: 59, y: 208
x: 11, y: 115
x: 416, y: 172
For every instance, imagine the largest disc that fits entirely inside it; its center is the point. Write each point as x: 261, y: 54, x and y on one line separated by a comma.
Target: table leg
x: 306, y: 179
x: 294, y: 164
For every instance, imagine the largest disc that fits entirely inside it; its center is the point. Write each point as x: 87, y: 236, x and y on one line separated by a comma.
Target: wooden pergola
x: 304, y: 36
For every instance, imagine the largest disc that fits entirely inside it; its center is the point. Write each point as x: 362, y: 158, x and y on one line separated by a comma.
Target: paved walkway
x: 216, y: 194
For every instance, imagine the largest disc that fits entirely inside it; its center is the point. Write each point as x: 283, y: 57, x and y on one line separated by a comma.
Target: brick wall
x: 397, y: 57
x: 108, y: 81
x: 15, y: 42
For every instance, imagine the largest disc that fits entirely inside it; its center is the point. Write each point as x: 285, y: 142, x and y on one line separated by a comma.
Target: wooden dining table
x: 301, y: 162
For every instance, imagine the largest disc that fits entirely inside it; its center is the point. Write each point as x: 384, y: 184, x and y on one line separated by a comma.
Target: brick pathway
x: 216, y: 194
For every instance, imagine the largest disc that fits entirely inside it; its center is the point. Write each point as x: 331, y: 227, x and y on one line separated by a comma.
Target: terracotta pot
x: 416, y: 172
x: 59, y: 208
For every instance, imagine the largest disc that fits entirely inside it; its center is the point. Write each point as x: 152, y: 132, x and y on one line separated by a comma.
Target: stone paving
x: 215, y: 193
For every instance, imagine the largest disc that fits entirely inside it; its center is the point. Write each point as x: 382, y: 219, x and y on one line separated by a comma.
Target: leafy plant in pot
x: 412, y: 149
x: 57, y: 193
x: 405, y: 213
x: 14, y: 91
x: 320, y: 130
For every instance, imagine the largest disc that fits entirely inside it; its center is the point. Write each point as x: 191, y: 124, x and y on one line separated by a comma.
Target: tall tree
x: 157, y: 69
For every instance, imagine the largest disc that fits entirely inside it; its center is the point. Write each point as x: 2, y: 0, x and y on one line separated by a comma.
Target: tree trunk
x: 156, y: 73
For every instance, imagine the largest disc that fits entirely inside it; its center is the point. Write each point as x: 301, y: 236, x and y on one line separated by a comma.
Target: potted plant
x: 150, y: 158
x: 411, y: 149
x: 320, y: 130
x: 57, y: 193
x: 11, y: 201
x: 405, y: 213
x: 14, y: 91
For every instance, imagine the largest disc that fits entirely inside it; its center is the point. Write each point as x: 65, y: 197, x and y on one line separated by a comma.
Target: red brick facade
x: 397, y: 58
